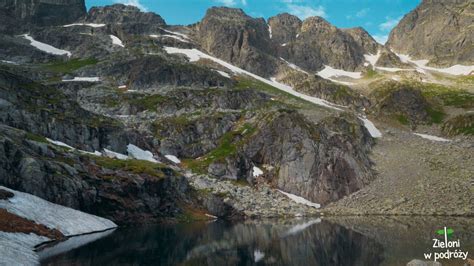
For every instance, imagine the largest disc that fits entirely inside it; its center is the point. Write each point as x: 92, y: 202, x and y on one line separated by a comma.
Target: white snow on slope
x: 59, y: 143
x: 68, y: 221
x: 374, y: 132
x: 372, y: 58
x: 430, y: 137
x: 9, y: 62
x: 194, y: 55
x: 181, y: 39
x: 284, y: 44
x: 422, y: 66
x: 82, y: 79
x: 258, y: 255
x: 116, y: 155
x: 46, y: 47
x: 177, y: 33
x: 295, y: 67
x: 116, y: 40
x: 139, y: 154
x: 256, y: 171
x: 300, y: 200
x: 93, y: 25
x: 17, y: 248
x: 95, y: 153
x: 329, y: 72
x: 173, y: 158
x: 394, y: 69
x: 301, y: 227
x: 270, y: 31
x: 224, y: 74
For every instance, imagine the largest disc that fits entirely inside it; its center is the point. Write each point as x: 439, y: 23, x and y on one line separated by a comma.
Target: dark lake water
x: 332, y: 241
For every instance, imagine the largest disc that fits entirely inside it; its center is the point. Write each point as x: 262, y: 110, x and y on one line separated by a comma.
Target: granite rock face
x: 439, y: 31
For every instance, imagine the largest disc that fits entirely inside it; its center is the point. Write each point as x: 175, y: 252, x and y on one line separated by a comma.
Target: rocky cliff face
x: 313, y: 43
x: 237, y: 38
x: 42, y: 12
x: 440, y: 31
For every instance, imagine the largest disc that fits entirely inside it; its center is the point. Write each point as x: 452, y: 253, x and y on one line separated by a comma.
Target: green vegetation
x: 70, y: 66
x: 402, y: 119
x: 436, y: 116
x: 448, y: 96
x: 244, y: 83
x: 149, y: 102
x: 36, y: 138
x: 228, y: 145
x: 134, y: 166
x: 371, y: 74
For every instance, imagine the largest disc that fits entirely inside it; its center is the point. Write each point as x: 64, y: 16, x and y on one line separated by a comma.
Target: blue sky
x: 378, y: 17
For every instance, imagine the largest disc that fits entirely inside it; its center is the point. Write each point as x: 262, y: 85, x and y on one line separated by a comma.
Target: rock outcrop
x: 439, y: 31
x: 231, y: 35
x: 40, y: 13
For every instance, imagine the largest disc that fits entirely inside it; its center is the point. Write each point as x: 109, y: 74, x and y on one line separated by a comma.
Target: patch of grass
x: 71, y: 65
x: 459, y: 125
x: 371, y: 74
x: 134, y: 166
x: 436, y: 116
x: 448, y: 96
x: 228, y: 145
x: 191, y: 214
x: 149, y: 102
x: 36, y: 138
x: 402, y: 119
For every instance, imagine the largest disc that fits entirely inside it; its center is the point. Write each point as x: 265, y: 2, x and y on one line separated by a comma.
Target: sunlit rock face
x: 439, y: 31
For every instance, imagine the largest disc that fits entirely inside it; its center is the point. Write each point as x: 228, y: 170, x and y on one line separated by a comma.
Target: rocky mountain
x: 124, y: 116
x: 439, y: 31
x: 40, y: 12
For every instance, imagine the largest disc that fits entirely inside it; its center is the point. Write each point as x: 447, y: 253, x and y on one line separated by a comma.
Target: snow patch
x: 116, y: 155
x: 116, y: 41
x: 284, y: 44
x: 177, y: 33
x: 258, y: 255
x: 374, y: 132
x: 256, y: 171
x: 82, y: 79
x: 9, y: 62
x: 17, y: 248
x: 122, y: 86
x: 173, y: 158
x: 181, y: 39
x: 139, y: 154
x: 372, y: 58
x: 329, y: 72
x: 59, y: 143
x: 46, y: 47
x: 68, y: 221
x: 224, y: 74
x: 270, y: 31
x: 456, y: 70
x: 433, y: 138
x: 300, y: 200
x: 93, y: 25
x: 95, y: 153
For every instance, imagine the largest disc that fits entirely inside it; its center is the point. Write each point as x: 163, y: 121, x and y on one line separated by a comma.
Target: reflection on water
x: 336, y: 241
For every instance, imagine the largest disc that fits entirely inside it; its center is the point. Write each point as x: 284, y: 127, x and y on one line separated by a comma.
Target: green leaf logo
x: 449, y: 231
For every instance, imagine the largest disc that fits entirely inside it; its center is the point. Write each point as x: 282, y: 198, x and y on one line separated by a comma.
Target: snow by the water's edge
x: 300, y: 200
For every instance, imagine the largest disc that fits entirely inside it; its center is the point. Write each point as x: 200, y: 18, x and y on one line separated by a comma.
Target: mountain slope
x: 439, y: 31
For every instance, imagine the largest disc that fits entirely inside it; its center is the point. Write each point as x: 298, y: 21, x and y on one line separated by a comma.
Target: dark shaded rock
x: 4, y: 195
x: 403, y: 101
x: 363, y: 39
x: 440, y: 31
x: 39, y: 13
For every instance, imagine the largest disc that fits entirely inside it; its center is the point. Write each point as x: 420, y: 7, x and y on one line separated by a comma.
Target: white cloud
x: 132, y: 3
x: 389, y: 24
x: 382, y: 39
x: 231, y: 2
x: 361, y: 13
x: 304, y: 12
